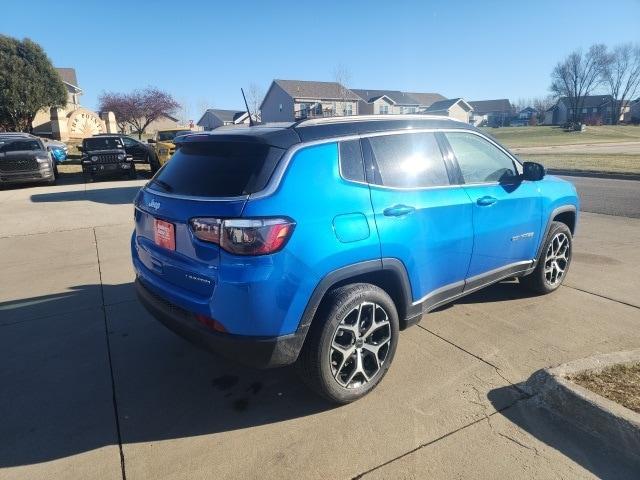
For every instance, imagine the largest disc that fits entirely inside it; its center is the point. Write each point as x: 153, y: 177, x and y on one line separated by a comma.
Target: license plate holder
x: 164, y: 234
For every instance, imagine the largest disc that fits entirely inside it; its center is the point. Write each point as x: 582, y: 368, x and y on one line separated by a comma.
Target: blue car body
x: 429, y: 246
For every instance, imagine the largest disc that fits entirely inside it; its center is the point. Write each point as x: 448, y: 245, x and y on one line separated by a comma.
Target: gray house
x: 454, y: 108
x: 381, y: 102
x: 595, y: 109
x: 289, y: 100
x: 215, y: 117
x: 493, y: 113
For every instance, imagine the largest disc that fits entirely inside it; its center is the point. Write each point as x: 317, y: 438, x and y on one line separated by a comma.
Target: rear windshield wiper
x: 165, y: 186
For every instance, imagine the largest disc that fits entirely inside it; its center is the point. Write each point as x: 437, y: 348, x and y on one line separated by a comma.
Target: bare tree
x: 255, y: 94
x: 542, y: 104
x: 342, y: 76
x: 139, y: 108
x: 577, y: 76
x: 622, y: 77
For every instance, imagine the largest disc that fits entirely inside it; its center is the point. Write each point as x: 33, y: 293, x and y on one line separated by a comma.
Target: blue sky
x: 203, y: 52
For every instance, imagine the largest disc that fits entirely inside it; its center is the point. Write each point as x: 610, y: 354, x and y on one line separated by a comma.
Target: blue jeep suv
x: 316, y: 242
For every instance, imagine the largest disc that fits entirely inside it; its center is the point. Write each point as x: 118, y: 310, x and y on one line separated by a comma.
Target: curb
x: 594, y: 174
x: 585, y: 409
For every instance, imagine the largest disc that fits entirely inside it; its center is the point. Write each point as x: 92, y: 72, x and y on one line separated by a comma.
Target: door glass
x: 479, y: 160
x: 411, y: 160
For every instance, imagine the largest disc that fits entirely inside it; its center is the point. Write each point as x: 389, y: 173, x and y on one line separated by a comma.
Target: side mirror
x: 151, y: 140
x: 80, y: 148
x: 533, y: 171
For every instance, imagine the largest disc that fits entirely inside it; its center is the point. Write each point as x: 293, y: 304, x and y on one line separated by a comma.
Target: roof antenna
x: 247, y: 105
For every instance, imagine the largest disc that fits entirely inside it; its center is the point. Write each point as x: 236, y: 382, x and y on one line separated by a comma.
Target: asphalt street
x: 608, y: 196
x: 93, y: 387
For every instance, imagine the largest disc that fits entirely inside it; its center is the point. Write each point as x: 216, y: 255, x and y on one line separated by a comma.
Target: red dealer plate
x: 164, y: 234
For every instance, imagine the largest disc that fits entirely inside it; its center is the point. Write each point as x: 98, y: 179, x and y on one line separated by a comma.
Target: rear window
x: 218, y: 169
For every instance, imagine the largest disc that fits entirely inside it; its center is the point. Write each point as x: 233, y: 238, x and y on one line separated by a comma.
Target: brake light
x: 250, y: 236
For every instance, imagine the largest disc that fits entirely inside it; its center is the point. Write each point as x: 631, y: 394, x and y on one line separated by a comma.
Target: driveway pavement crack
x: 442, y: 437
x: 113, y: 383
x: 496, y: 368
x: 603, y: 296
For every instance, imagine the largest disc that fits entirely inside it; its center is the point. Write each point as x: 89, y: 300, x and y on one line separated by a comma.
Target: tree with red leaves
x: 139, y: 108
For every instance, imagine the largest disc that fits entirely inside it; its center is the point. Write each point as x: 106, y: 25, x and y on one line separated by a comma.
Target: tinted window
x: 351, y: 164
x: 409, y: 160
x: 129, y: 142
x: 218, y: 169
x: 21, y: 145
x: 479, y: 160
x: 102, y: 143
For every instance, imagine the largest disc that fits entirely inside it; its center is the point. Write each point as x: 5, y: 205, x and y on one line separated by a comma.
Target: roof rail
x: 369, y: 118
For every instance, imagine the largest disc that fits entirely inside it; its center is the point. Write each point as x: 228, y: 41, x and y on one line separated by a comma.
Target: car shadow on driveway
x: 109, y: 196
x: 593, y: 454
x: 57, y: 396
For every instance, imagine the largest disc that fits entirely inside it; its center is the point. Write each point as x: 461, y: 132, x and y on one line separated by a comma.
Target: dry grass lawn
x: 543, y: 135
x: 600, y: 163
x: 620, y: 383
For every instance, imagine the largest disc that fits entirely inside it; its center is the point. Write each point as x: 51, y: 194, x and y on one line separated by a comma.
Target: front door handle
x: 486, y: 201
x: 398, y: 210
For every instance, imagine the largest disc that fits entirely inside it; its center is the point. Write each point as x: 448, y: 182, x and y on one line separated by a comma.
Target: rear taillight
x: 244, y: 236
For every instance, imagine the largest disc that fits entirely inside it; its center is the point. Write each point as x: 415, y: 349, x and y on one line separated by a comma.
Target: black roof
x: 285, y: 135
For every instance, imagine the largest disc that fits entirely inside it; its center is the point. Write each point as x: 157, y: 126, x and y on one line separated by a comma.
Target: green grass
x: 546, y: 135
x: 600, y: 163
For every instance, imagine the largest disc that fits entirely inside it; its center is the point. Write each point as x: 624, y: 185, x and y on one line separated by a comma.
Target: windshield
x: 19, y: 145
x: 170, y: 135
x: 218, y: 169
x: 99, y: 143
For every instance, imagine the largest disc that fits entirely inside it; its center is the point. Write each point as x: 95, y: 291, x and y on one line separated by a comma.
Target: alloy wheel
x: 360, y: 345
x: 556, y: 259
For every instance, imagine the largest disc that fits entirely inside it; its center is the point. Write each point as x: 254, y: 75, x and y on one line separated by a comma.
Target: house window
x: 348, y: 110
x: 585, y: 110
x: 304, y: 110
x: 594, y: 110
x: 384, y: 109
x: 280, y: 107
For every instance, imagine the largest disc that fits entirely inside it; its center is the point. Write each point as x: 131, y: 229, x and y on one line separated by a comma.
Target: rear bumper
x: 258, y: 352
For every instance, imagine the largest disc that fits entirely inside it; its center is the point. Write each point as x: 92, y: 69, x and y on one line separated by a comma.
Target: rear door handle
x: 398, y: 210
x: 486, y: 201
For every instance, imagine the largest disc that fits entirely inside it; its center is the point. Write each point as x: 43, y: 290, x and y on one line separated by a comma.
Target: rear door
x: 506, y: 210
x: 136, y: 149
x: 423, y: 218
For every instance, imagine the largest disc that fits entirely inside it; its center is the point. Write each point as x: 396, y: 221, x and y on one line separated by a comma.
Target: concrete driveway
x: 93, y: 387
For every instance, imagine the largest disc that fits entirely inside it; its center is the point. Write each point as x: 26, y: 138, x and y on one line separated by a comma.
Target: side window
x: 351, y: 164
x: 411, y: 160
x: 479, y: 160
x: 128, y: 142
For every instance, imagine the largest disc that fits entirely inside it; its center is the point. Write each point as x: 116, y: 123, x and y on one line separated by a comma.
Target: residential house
x: 524, y: 116
x: 215, y: 117
x: 595, y: 109
x: 634, y: 111
x: 165, y: 122
x: 492, y: 113
x: 456, y: 108
x: 381, y: 102
x: 289, y: 100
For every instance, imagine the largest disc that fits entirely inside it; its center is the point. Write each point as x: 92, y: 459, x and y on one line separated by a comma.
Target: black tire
x: 132, y: 171
x: 541, y: 280
x: 55, y: 170
x: 318, y: 359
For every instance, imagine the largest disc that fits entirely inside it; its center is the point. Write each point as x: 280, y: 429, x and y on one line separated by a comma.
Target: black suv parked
x: 141, y: 152
x: 106, y: 155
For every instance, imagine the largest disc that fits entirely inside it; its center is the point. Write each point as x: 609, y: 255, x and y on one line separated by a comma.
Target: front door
x: 135, y: 149
x: 507, y: 211
x: 422, y: 219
